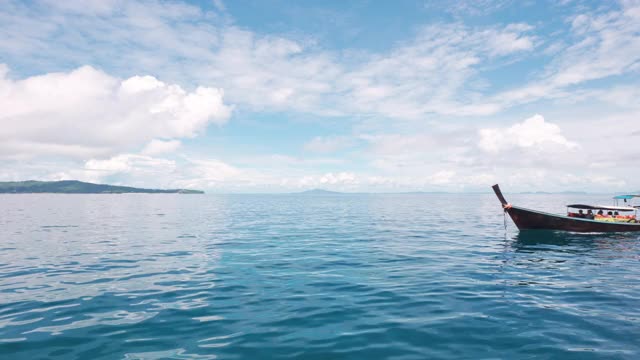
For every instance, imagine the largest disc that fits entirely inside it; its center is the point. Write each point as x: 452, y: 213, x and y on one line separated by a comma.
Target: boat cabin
x: 616, y: 213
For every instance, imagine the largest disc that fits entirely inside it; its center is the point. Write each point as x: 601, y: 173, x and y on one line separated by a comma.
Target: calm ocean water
x: 315, y: 277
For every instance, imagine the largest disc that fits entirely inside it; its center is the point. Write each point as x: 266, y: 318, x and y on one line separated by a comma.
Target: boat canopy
x: 626, y: 197
x: 601, y: 207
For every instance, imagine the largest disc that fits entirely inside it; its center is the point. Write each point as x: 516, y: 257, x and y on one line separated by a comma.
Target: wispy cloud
x: 603, y: 45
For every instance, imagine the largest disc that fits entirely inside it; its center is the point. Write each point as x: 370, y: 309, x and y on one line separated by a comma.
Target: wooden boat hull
x: 526, y: 219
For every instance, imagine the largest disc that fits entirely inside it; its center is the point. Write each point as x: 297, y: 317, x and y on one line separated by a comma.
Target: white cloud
x: 607, y: 180
x: 428, y: 74
x: 530, y: 154
x: 433, y: 73
x: 442, y: 177
x: 328, y: 144
x: 86, y: 113
x: 508, y: 42
x: 212, y: 171
x: 123, y: 169
x: 468, y: 8
x: 86, y: 7
x: 343, y: 178
x: 443, y: 73
x: 219, y: 5
x: 420, y: 153
x: 146, y: 171
x: 533, y: 132
x: 130, y: 164
x: 605, y: 44
x: 157, y: 147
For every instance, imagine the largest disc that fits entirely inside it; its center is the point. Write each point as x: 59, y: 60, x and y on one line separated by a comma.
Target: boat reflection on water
x: 540, y: 260
x: 568, y: 242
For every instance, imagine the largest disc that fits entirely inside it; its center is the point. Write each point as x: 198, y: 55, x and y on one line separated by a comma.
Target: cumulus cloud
x: 87, y: 113
x: 533, y: 132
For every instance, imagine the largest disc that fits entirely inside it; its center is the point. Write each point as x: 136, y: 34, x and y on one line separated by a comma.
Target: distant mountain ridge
x: 80, y: 187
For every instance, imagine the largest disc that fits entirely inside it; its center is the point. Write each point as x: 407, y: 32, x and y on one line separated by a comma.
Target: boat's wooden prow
x: 496, y: 189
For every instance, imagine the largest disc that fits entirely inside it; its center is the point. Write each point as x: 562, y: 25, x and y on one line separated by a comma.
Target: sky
x: 261, y: 96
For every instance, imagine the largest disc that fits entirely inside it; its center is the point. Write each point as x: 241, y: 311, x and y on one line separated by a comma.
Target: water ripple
x: 357, y: 276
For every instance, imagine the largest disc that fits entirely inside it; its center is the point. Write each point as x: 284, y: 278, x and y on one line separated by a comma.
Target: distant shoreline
x: 80, y: 187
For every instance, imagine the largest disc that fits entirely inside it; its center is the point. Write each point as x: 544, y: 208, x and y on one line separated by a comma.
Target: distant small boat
x: 526, y: 219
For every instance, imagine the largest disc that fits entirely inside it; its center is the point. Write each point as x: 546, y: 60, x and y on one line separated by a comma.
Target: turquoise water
x: 313, y: 277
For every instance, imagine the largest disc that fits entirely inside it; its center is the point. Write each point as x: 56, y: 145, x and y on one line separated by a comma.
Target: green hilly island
x: 80, y: 187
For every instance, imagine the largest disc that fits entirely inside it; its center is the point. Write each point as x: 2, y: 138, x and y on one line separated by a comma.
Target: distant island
x: 80, y: 187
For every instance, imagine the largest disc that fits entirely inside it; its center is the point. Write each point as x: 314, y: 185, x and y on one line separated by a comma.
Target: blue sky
x: 273, y: 96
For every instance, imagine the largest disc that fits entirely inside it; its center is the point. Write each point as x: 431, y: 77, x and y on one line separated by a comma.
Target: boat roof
x: 630, y: 196
x: 602, y: 207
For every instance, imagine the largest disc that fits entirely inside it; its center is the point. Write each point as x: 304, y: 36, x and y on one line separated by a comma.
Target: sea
x: 351, y: 276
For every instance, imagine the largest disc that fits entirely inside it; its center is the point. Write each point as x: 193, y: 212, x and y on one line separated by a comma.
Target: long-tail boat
x: 527, y: 219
